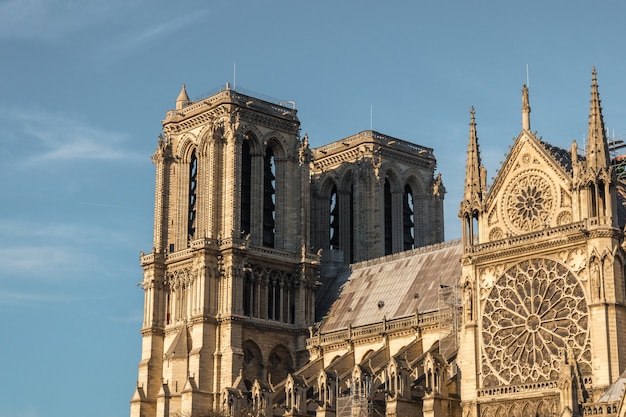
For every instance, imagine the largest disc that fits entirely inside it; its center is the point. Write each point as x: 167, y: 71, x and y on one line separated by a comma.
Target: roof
x: 616, y: 391
x: 394, y: 286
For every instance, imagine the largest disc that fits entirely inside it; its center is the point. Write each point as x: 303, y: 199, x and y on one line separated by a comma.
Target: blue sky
x: 84, y: 85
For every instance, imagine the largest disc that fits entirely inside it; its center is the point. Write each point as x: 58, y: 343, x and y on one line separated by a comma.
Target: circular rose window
x: 534, y: 313
x: 528, y: 203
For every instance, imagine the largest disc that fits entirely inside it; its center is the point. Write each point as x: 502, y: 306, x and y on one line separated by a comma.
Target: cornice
x: 152, y: 331
x: 571, y: 234
x: 365, y: 151
x: 228, y: 102
x: 278, y: 327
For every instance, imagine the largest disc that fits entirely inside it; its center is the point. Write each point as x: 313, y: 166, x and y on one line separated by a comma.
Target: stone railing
x: 514, y: 389
x: 224, y: 93
x: 383, y: 140
x: 385, y: 326
x: 215, y: 244
x: 526, y: 239
x: 601, y: 409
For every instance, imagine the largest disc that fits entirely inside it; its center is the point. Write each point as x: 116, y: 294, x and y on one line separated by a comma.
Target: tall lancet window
x: 246, y: 188
x: 193, y: 195
x: 269, y: 198
x: 351, y: 224
x: 334, y: 219
x: 408, y: 219
x: 388, y: 219
x: 601, y: 199
x: 593, y: 203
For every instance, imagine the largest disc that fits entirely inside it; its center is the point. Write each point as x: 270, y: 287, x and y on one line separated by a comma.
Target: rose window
x: 529, y: 203
x: 534, y: 312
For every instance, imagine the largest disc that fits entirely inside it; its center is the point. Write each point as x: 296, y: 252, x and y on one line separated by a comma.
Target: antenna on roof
x: 234, y: 75
x: 371, y: 116
x: 527, y: 78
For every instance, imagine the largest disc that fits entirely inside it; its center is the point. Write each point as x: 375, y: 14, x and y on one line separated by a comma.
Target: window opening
x: 408, y: 219
x: 334, y: 219
x: 193, y: 190
x: 246, y: 188
x: 351, y: 224
x: 593, y: 208
x: 388, y: 219
x: 269, y: 199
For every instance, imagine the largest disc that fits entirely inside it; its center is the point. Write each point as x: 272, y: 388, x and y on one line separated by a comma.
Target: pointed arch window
x: 593, y: 209
x: 334, y: 219
x: 601, y: 199
x: 408, y: 219
x: 351, y: 224
x: 246, y: 188
x: 193, y: 195
x: 388, y: 219
x: 269, y: 198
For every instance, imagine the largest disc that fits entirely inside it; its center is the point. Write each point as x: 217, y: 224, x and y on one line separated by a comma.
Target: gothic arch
x: 279, y: 363
x: 252, y: 360
x: 345, y: 178
x: 392, y: 174
x: 366, y: 355
x: 210, y: 136
x: 415, y: 181
x: 335, y: 359
x: 326, y: 185
x: 186, y: 146
x: 277, y: 143
x: 253, y: 136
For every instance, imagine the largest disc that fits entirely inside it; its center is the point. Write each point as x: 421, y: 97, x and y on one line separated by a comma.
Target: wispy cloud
x: 38, y: 251
x: 61, y: 137
x: 16, y: 298
x: 136, y: 38
x: 35, y: 259
x: 50, y: 20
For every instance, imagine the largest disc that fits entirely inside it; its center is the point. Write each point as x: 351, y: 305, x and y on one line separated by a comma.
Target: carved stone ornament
x: 535, y: 310
x: 545, y: 407
x: 528, y: 203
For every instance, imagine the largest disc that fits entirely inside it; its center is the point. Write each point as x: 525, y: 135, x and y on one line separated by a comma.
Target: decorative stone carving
x: 534, y: 310
x: 528, y: 203
x: 496, y: 234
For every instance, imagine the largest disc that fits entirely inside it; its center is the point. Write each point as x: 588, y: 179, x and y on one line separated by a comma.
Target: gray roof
x: 394, y: 286
x: 616, y: 391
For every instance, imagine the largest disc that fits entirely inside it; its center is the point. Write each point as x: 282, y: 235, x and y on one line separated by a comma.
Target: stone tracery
x: 529, y: 202
x: 534, y: 310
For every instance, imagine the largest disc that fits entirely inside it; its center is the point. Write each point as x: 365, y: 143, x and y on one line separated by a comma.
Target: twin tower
x: 248, y: 222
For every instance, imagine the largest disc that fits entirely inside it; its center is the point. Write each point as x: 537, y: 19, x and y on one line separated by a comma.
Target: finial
x: 597, y: 143
x: 183, y: 98
x: 525, y: 108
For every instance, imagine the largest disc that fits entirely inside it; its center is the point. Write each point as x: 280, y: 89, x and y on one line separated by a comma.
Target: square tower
x: 229, y: 283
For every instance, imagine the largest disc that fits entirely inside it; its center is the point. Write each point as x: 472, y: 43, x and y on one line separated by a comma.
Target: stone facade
x: 229, y: 285
x: 524, y: 316
x: 542, y: 277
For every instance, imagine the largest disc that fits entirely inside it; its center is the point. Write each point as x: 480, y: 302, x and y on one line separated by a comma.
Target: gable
x: 531, y: 191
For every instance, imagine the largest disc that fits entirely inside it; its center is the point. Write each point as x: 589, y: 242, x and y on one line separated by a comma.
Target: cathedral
x: 286, y: 280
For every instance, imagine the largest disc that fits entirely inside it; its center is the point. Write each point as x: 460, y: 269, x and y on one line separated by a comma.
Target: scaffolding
x: 618, y: 162
x: 360, y: 402
x: 449, y: 305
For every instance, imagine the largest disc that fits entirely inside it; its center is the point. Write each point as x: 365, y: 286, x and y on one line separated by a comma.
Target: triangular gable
x: 530, y: 192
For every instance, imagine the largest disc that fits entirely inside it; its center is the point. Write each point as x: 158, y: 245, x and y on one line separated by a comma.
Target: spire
x: 597, y: 154
x: 183, y: 98
x: 473, y: 170
x: 525, y: 109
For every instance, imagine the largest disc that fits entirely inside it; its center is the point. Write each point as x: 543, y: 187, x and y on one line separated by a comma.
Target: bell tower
x: 229, y: 285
